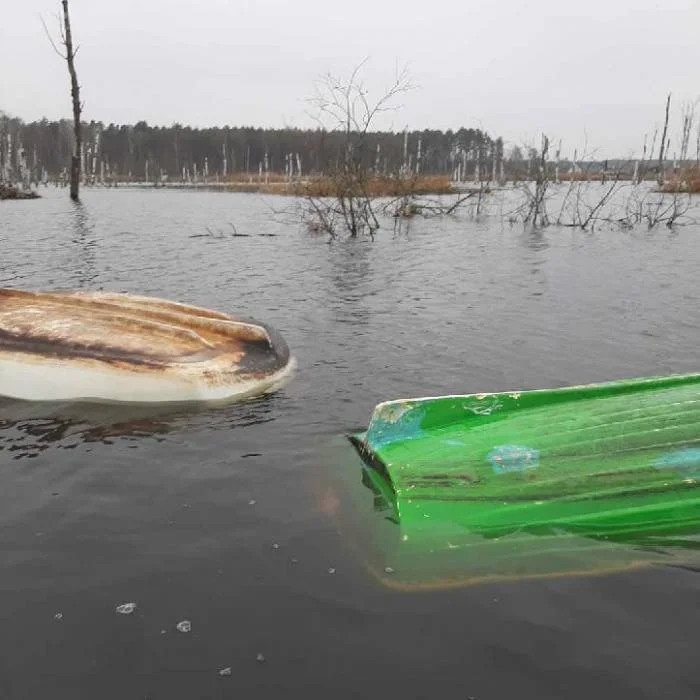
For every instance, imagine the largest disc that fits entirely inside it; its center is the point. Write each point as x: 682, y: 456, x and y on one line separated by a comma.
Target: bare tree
x: 344, y: 105
x: 69, y: 57
x: 663, y: 145
x: 533, y: 209
x: 688, y: 117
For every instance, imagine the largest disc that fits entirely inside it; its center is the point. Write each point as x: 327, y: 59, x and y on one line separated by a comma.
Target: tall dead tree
x: 686, y: 129
x: 662, y: 174
x: 75, y: 95
x: 69, y: 58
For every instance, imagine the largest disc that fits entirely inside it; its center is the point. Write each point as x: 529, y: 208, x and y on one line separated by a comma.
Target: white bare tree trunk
x: 7, y: 167
x: 405, y: 151
x: 663, y: 148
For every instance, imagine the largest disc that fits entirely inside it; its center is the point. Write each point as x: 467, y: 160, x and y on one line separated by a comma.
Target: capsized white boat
x: 102, y: 346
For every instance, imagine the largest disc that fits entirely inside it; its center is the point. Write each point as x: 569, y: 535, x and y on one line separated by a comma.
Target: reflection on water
x: 83, y: 247
x: 29, y: 428
x: 428, y: 546
x: 351, y: 276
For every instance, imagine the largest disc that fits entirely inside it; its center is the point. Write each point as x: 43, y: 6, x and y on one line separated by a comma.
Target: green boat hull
x: 617, y: 463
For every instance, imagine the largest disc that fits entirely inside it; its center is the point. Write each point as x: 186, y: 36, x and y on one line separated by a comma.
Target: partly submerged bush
x: 12, y: 192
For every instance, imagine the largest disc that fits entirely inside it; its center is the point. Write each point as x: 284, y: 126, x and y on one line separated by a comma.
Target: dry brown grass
x: 687, y: 180
x: 323, y: 186
x: 375, y: 187
x: 270, y: 178
x: 260, y: 187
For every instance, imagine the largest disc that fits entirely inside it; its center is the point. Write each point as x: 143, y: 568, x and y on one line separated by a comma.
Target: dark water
x: 233, y: 518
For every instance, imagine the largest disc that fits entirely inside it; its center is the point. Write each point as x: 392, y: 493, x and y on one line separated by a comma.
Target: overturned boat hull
x: 101, y: 346
x: 538, y: 474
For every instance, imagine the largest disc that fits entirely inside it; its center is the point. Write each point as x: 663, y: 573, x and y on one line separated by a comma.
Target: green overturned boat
x: 617, y: 463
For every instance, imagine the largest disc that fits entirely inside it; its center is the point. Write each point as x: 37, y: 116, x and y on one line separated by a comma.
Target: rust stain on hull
x: 133, y: 336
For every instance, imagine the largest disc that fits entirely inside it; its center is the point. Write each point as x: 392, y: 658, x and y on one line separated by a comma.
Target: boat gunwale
x: 631, y: 383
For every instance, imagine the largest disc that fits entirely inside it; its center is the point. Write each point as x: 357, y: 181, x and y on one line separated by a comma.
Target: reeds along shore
x: 328, y: 186
x: 374, y: 186
x: 687, y: 181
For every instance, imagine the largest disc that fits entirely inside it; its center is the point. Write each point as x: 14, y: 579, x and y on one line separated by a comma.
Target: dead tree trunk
x: 662, y: 175
x: 75, y: 95
x: 69, y: 57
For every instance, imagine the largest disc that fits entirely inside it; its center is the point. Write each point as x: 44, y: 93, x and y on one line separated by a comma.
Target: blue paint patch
x: 686, y: 462
x: 513, y: 458
x: 395, y: 424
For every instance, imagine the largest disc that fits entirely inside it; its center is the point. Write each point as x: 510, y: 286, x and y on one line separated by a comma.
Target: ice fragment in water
x: 126, y: 608
x: 260, y: 658
x: 184, y: 626
x: 225, y: 671
x: 58, y: 616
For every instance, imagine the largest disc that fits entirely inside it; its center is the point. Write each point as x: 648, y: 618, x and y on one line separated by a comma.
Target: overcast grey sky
x: 584, y: 71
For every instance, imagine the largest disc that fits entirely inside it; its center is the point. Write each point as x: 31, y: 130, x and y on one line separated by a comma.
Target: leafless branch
x: 50, y: 38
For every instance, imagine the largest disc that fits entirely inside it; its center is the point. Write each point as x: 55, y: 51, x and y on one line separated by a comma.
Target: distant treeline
x: 41, y: 150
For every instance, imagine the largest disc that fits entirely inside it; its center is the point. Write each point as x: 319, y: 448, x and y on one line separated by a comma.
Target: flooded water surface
x: 252, y: 523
